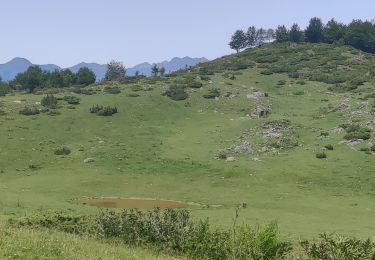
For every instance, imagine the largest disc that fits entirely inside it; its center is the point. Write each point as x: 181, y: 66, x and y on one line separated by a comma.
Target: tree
x: 55, y: 79
x: 270, y: 35
x: 282, y: 34
x: 333, y: 31
x: 238, y: 41
x: 115, y: 71
x: 85, y: 76
x: 30, y: 79
x: 295, y: 33
x: 260, y: 37
x: 162, y: 71
x: 314, y: 32
x: 154, y: 70
x: 136, y: 74
x: 69, y: 78
x: 361, y: 35
x: 251, y: 36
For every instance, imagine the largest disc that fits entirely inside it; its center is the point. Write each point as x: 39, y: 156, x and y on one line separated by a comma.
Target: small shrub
x: 103, y: 111
x: 29, y: 111
x: 112, y: 90
x: 329, y: 147
x: 136, y: 88
x: 84, y: 91
x: 321, y: 155
x: 176, y: 92
x: 213, y: 93
x: 372, y: 148
x: 299, y: 93
x: 132, y: 95
x: 324, y: 133
x: 194, y: 84
x: 49, y: 101
x: 364, y: 149
x: 72, y: 100
x: 63, y: 150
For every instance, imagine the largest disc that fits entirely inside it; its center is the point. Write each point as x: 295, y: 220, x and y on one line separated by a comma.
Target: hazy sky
x: 66, y: 32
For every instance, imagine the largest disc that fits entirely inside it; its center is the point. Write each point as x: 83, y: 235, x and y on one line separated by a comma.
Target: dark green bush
x: 321, y: 155
x: 49, y: 101
x: 29, y: 111
x: 298, y: 93
x: 194, y: 84
x: 213, y: 93
x: 103, y: 111
x: 132, y: 95
x: 176, y: 92
x: 136, y: 88
x: 63, y: 150
x: 72, y: 100
x: 329, y: 147
x: 84, y: 91
x: 112, y: 90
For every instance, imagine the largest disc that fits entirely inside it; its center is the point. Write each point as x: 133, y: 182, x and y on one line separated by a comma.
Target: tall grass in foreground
x: 174, y: 232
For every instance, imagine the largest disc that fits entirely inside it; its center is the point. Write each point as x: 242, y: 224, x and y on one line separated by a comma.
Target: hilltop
x: 285, y: 129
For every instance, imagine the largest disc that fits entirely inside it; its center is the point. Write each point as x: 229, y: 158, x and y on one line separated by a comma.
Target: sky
x: 67, y: 32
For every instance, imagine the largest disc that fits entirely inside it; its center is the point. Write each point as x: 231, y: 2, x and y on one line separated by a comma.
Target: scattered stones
x: 242, y: 148
x: 371, y: 123
x: 338, y: 130
x: 351, y: 142
x: 89, y: 160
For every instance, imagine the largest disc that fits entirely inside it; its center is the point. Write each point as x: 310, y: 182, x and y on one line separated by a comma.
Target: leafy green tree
x: 238, y: 41
x: 85, y: 76
x: 361, y: 35
x: 115, y: 71
x: 69, y: 78
x: 295, y: 33
x: 30, y: 79
x: 154, y: 70
x: 314, y: 32
x: 333, y: 31
x: 162, y: 71
x: 282, y: 34
x: 55, y: 79
x: 251, y: 36
x: 261, y: 36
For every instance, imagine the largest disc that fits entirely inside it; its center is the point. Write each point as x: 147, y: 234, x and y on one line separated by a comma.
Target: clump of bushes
x: 63, y: 150
x: 339, y: 247
x: 176, y: 92
x: 356, y: 132
x: 84, y: 91
x: 29, y: 111
x: 194, y: 84
x: 213, y: 93
x: 136, y: 88
x: 103, y: 111
x: 112, y: 90
x: 321, y: 155
x: 49, y: 101
x: 299, y: 93
x: 72, y: 100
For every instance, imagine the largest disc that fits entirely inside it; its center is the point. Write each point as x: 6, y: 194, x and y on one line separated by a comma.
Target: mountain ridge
x: 10, y: 69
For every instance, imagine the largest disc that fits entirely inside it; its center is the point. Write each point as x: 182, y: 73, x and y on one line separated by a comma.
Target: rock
x: 371, y: 123
x: 89, y: 160
x: 343, y: 106
x: 257, y: 95
x: 230, y: 159
x: 242, y: 148
x: 260, y: 111
x: 338, y: 130
x: 351, y: 142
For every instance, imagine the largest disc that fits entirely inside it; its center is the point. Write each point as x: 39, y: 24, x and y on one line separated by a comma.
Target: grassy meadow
x: 155, y: 147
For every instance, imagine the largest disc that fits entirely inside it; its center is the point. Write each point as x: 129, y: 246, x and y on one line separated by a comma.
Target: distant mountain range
x: 18, y: 65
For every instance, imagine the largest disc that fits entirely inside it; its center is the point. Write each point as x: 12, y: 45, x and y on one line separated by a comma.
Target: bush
x: 72, y: 100
x: 194, y: 84
x: 339, y: 247
x: 356, y: 132
x: 103, y: 111
x: 132, y: 95
x: 299, y: 93
x: 321, y: 155
x: 213, y: 93
x: 329, y: 147
x: 49, y: 101
x: 29, y: 111
x: 112, y: 90
x: 176, y: 92
x: 63, y: 150
x: 83, y: 91
x: 136, y: 88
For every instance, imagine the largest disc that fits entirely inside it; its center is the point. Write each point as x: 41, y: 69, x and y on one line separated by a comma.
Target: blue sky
x: 66, y: 32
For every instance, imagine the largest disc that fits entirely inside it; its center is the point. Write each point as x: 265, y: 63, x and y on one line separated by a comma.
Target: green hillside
x: 250, y: 134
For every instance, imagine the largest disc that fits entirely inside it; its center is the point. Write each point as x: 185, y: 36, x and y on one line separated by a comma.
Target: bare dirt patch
x: 134, y: 203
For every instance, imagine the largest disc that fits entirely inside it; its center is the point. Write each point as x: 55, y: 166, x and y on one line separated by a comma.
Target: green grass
x: 159, y: 148
x: 25, y: 243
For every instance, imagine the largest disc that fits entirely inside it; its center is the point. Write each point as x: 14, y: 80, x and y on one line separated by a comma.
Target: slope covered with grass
x: 210, y: 147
